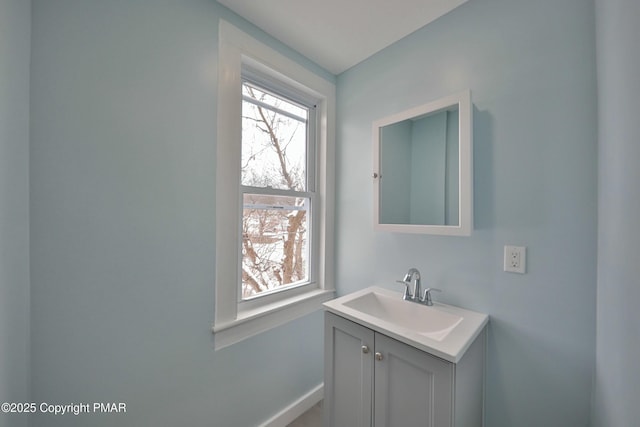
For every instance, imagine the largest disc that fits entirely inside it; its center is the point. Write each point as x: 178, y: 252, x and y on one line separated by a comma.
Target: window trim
x: 237, y: 49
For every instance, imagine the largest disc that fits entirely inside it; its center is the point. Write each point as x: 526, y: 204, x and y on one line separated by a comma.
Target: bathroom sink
x: 443, y: 330
x: 429, y: 321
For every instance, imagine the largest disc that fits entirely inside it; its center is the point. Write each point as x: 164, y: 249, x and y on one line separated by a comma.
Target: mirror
x: 423, y: 169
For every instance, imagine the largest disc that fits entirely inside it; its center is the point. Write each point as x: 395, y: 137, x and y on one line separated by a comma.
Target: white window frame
x: 235, y: 321
x: 278, y: 88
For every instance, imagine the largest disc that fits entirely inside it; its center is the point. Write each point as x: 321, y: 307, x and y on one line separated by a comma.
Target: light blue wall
x: 15, y: 28
x: 531, y: 68
x: 617, y: 385
x: 123, y: 111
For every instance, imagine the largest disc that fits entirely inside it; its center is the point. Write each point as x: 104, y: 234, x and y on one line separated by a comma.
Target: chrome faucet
x: 426, y: 299
x: 414, y: 274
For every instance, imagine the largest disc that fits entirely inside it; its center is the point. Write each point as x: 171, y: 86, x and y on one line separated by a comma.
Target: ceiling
x: 338, y: 34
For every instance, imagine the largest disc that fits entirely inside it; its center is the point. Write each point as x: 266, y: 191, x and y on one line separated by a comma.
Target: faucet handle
x: 426, y: 297
x: 407, y: 293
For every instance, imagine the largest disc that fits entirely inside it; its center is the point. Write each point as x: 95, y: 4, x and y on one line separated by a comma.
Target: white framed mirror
x: 423, y: 168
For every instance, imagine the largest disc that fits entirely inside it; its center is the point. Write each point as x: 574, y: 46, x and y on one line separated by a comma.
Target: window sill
x: 252, y: 322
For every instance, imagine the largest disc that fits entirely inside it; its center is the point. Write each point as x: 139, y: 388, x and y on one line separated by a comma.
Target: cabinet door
x: 412, y: 388
x: 348, y: 373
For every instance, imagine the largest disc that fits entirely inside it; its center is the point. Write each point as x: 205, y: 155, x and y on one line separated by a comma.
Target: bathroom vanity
x: 381, y: 370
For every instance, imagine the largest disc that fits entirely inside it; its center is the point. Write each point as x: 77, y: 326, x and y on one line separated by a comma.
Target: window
x: 274, y: 201
x: 278, y: 146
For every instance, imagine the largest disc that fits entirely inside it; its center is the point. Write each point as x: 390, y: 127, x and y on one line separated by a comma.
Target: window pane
x: 275, y: 243
x: 274, y: 141
x: 275, y: 101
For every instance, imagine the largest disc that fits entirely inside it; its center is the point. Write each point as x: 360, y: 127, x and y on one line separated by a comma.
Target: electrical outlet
x: 515, y: 259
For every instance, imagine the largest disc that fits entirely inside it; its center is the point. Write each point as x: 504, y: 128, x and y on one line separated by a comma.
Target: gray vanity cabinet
x: 411, y: 388
x: 348, y: 384
x: 374, y: 380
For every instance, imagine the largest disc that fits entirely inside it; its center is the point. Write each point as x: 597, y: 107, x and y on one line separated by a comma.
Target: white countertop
x: 451, y: 348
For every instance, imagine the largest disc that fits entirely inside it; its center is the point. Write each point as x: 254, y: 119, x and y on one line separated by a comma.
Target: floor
x: 311, y: 418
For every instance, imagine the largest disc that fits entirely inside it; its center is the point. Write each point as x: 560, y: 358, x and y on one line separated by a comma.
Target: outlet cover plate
x: 515, y: 259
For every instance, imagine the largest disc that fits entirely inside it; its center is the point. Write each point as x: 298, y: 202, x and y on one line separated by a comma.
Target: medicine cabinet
x: 423, y: 168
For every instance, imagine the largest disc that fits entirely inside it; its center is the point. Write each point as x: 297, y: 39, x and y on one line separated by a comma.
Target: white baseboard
x: 296, y: 408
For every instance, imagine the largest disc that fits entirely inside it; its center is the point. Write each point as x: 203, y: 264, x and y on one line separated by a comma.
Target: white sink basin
x: 429, y: 321
x: 443, y: 330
